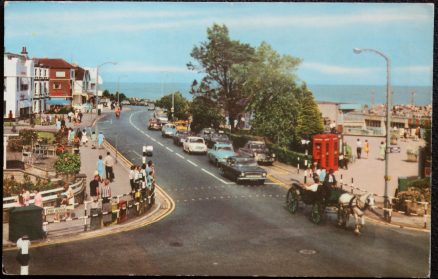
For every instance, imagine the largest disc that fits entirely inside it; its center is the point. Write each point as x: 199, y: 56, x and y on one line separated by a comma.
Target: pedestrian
x: 94, y: 187
x: 76, y: 116
x: 317, y: 172
x: 76, y: 142
x: 132, y: 179
x: 333, y: 127
x: 109, y: 163
x: 151, y: 166
x: 84, y: 138
x: 58, y: 124
x: 26, y: 195
x: 48, y: 119
x: 93, y: 140
x: 70, y: 116
x: 105, y: 192
x: 347, y: 155
x: 20, y: 201
x: 358, y: 148
x: 100, y: 166
x: 382, y: 148
x: 80, y: 116
x: 330, y: 179
x: 322, y: 175
x: 366, y: 148
x: 62, y: 122
x: 71, y: 135
x: 38, y: 198
x: 68, y: 200
x: 100, y: 138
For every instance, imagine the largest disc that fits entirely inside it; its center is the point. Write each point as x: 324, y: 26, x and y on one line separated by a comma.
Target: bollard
x: 305, y: 179
x: 352, y: 184
x: 341, y: 182
x: 425, y: 216
x: 144, y: 155
x: 23, y: 257
x: 298, y: 165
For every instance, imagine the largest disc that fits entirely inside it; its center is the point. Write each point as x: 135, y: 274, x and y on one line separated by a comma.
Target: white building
x: 18, y: 72
x: 41, y: 82
x: 82, y: 84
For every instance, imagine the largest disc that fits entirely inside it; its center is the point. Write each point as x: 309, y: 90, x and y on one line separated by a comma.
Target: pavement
x: 72, y: 230
x: 367, y: 174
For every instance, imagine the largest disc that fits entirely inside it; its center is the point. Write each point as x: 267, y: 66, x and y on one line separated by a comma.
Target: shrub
x: 289, y: 157
x: 68, y: 163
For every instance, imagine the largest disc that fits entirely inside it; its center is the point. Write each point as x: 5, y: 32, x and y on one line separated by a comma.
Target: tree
x: 309, y: 121
x: 181, y: 105
x: 222, y: 60
x: 272, y: 94
x: 106, y: 94
x: 205, y: 114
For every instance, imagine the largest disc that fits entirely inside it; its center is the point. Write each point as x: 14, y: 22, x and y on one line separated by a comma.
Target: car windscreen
x: 225, y: 148
x: 246, y: 162
x: 197, y: 140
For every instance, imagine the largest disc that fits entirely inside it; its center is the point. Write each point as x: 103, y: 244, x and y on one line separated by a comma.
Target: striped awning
x: 59, y: 102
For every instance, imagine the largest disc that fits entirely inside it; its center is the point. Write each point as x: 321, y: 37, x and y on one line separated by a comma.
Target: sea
x: 351, y: 94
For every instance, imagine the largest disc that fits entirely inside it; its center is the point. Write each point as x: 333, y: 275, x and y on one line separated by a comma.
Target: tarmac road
x: 220, y: 228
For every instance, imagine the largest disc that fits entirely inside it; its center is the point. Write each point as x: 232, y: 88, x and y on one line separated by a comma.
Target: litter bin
x: 95, y: 218
x: 26, y: 220
x: 115, y: 210
x: 123, y: 216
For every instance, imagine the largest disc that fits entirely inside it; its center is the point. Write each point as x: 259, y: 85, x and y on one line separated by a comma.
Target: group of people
x: 76, y: 116
x: 320, y: 174
x: 142, y: 176
x: 81, y: 137
x: 106, y: 164
x: 24, y: 197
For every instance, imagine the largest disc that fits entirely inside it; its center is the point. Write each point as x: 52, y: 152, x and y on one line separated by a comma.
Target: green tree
x: 181, y: 105
x: 205, y: 113
x: 106, y: 94
x: 309, y: 121
x: 222, y: 60
x: 272, y: 94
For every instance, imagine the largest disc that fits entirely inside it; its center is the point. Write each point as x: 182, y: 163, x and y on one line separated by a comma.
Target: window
x: 40, y: 72
x: 60, y: 74
x: 45, y: 73
x: 36, y: 89
x: 35, y: 72
x: 56, y: 85
x: 23, y: 84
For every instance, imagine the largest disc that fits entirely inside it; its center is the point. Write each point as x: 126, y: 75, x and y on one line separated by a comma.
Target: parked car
x: 151, y: 108
x: 195, y: 145
x: 154, y: 124
x: 162, y: 116
x: 216, y: 138
x: 180, y: 136
x: 259, y: 151
x: 168, y: 130
x: 220, y: 152
x: 243, y: 169
x: 206, y: 132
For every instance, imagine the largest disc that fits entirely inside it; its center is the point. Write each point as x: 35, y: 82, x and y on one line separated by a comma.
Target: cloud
x: 414, y: 69
x: 135, y: 67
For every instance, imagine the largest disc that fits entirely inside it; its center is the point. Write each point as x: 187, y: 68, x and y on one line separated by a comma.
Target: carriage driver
x: 330, y: 179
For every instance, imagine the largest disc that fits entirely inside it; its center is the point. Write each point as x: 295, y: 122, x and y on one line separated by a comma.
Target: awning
x: 24, y: 104
x: 58, y: 102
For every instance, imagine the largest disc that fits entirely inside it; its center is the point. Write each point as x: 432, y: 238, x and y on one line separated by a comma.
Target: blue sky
x: 151, y: 42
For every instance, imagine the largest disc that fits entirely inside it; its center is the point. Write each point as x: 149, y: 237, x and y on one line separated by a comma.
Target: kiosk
x: 326, y: 150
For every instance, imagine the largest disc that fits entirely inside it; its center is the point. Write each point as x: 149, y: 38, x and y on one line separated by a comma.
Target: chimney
x: 24, y: 52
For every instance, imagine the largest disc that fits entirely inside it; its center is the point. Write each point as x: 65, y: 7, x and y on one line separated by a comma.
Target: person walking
x: 38, y: 198
x: 109, y: 163
x: 93, y: 140
x: 94, y: 187
x: 358, y: 148
x: 100, y: 139
x: 70, y: 116
x: 69, y: 200
x: 80, y: 116
x: 84, y: 138
x: 58, y: 124
x: 132, y: 179
x: 366, y: 148
x: 106, y: 198
x: 100, y: 166
x: 322, y: 175
x: 382, y: 148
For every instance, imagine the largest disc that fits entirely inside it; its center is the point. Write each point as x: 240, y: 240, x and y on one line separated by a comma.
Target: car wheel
x: 221, y: 171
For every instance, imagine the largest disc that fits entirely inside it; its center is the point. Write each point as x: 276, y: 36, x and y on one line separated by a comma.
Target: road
x: 220, y: 228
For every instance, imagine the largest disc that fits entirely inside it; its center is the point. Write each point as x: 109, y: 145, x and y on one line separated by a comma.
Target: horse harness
x: 350, y: 204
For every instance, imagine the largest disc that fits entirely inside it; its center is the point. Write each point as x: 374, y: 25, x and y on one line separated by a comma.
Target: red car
x: 154, y: 124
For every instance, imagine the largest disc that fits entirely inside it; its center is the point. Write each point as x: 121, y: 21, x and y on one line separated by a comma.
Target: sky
x: 152, y: 41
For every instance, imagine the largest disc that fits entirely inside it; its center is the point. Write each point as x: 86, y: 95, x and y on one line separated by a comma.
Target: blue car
x: 220, y: 152
x: 168, y: 130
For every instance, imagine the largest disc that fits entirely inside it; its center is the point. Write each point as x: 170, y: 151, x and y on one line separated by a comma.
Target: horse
x: 354, y: 205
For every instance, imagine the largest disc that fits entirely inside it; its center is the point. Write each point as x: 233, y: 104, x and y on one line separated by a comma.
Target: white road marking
x: 169, y: 149
x: 192, y: 163
x: 137, y: 153
x: 179, y: 155
x: 160, y: 143
x: 153, y: 139
x: 206, y: 171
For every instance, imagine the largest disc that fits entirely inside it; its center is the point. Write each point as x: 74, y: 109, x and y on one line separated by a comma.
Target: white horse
x: 354, y: 205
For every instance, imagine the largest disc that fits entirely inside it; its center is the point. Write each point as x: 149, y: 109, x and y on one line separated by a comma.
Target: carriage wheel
x: 292, y: 200
x: 316, y: 213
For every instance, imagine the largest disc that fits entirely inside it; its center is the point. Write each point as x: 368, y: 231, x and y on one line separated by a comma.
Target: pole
x: 173, y: 103
x: 97, y: 91
x: 388, y: 127
x: 23, y: 256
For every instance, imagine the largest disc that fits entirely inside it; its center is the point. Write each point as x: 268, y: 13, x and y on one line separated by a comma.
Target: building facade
x: 41, y: 87
x: 18, y: 73
x: 81, y: 87
x: 61, y: 80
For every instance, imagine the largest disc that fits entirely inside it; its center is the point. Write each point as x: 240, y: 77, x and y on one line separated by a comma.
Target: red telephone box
x: 326, y: 150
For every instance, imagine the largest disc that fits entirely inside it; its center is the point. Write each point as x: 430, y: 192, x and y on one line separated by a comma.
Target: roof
x: 79, y: 73
x: 57, y: 63
x: 350, y: 106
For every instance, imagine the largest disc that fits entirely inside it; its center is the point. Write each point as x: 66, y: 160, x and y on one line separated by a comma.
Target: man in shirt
x: 94, y: 187
x: 109, y: 163
x: 358, y: 148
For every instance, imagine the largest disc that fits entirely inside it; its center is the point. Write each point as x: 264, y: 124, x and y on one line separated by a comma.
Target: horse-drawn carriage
x: 329, y: 196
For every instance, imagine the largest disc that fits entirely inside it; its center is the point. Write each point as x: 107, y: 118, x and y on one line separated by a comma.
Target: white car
x: 195, y: 145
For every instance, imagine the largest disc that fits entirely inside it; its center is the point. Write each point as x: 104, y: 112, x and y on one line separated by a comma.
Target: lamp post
x: 118, y: 93
x: 97, y: 84
x: 388, y: 117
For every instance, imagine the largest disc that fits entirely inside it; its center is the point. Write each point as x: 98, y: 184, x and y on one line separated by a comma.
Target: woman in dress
x: 100, y: 167
x: 366, y: 148
x: 382, y: 148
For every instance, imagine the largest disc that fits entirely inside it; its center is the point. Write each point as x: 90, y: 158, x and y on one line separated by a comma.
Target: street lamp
x: 388, y: 116
x: 97, y: 83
